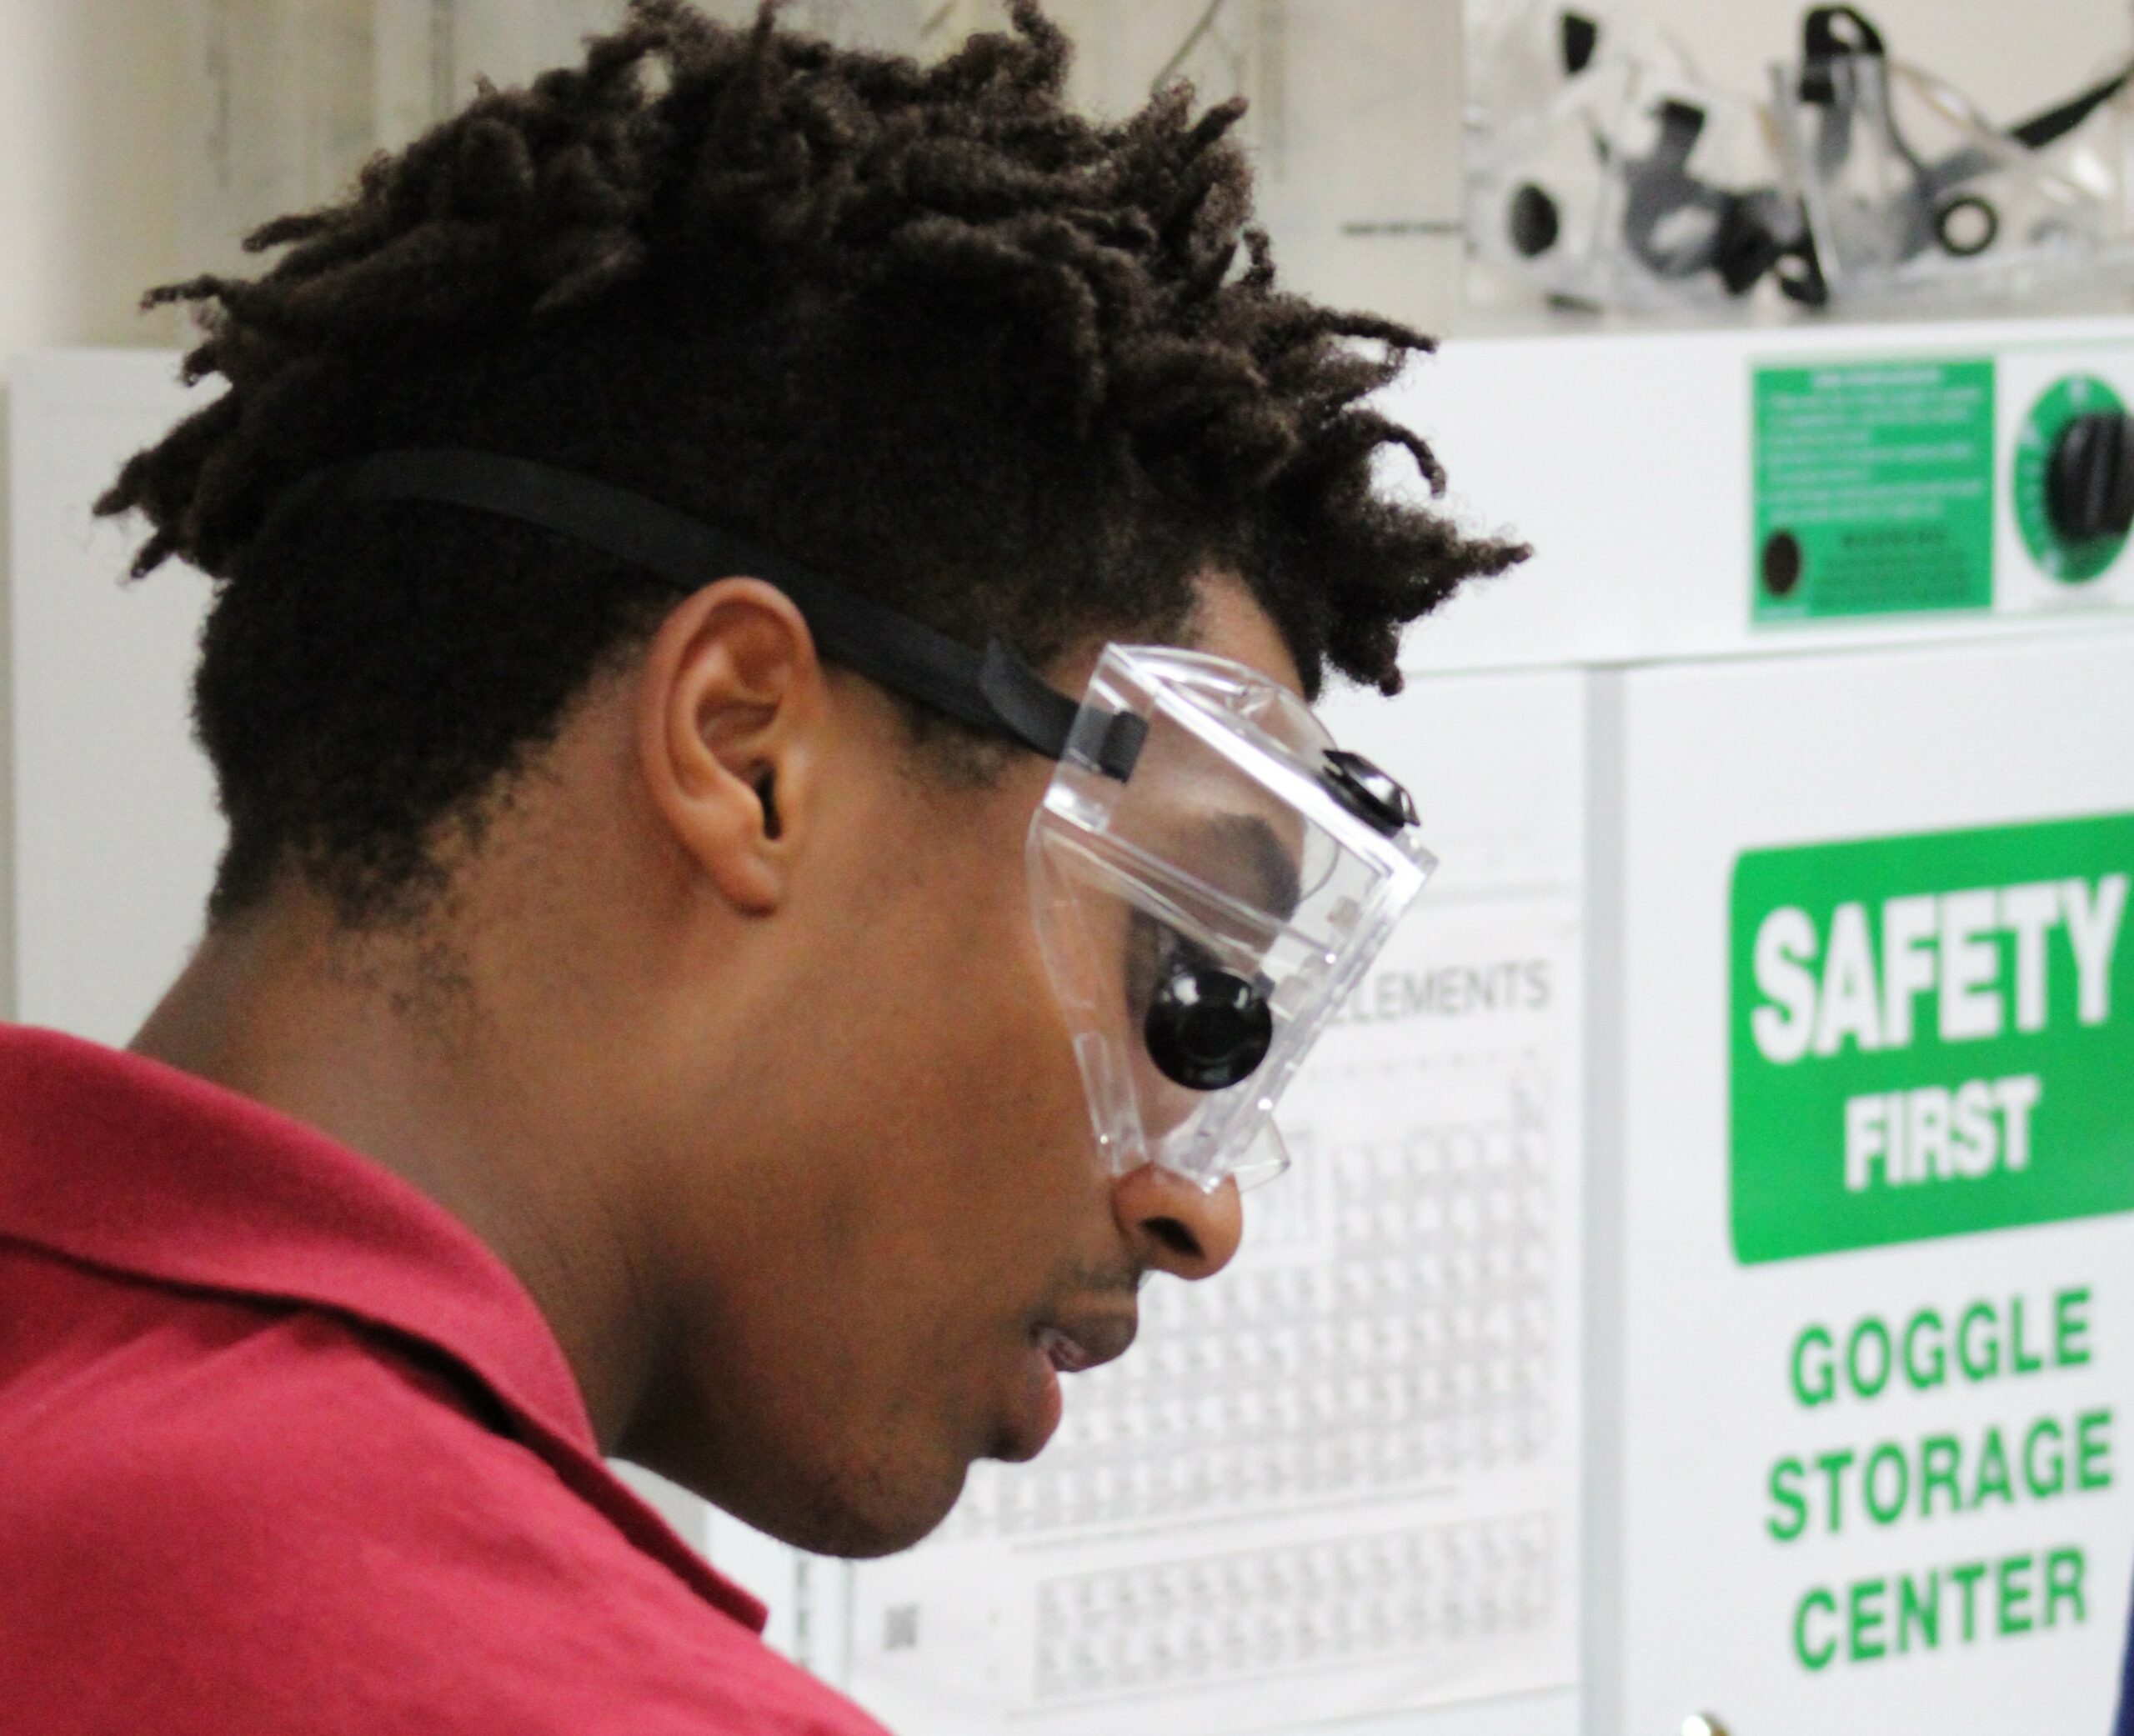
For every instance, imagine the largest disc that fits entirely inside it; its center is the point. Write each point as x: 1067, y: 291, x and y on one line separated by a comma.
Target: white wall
x: 89, y: 93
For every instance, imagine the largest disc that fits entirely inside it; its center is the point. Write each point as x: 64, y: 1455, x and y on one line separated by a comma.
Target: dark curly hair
x: 921, y: 327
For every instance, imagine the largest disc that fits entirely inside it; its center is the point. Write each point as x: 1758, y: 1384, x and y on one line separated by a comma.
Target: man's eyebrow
x: 1277, y: 884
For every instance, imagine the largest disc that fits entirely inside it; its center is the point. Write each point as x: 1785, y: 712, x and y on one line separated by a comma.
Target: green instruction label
x: 1931, y: 1035
x: 1874, y: 489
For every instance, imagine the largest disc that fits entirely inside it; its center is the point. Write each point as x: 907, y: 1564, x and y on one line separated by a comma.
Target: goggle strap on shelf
x: 1577, y: 36
x: 995, y: 690
x: 1823, y: 43
x: 2055, y: 123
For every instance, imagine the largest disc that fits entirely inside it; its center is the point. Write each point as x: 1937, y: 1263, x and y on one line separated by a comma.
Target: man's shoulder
x: 113, y: 1386
x: 237, y: 1516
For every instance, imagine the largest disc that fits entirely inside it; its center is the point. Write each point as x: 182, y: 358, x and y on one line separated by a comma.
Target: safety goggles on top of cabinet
x: 1606, y: 172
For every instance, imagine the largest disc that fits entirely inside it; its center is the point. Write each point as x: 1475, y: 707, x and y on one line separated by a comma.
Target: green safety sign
x: 1873, y: 488
x: 1931, y: 1035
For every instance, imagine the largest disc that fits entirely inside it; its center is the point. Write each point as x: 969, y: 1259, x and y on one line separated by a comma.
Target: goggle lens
x: 1204, y: 909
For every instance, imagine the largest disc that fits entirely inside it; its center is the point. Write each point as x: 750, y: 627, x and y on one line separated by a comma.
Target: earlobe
x: 732, y: 702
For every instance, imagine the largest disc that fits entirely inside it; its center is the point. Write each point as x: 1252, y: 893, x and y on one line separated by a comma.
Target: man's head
x: 716, y: 954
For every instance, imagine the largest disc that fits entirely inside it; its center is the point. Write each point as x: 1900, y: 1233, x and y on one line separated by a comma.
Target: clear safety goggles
x: 1909, y: 187
x: 1204, y: 909
x: 1210, y: 874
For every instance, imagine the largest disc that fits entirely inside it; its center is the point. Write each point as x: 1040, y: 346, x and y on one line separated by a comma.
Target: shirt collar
x: 120, y: 1161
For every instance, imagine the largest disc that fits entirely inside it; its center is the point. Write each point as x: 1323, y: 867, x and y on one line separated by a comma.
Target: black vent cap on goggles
x: 1209, y: 1028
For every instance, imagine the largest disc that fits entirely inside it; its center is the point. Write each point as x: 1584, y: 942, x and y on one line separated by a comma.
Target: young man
x: 760, y: 1008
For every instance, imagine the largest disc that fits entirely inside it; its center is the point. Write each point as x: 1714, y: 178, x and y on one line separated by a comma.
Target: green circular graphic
x: 2072, y: 561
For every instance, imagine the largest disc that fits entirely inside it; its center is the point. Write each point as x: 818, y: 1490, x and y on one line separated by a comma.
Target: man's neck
x: 381, y: 1043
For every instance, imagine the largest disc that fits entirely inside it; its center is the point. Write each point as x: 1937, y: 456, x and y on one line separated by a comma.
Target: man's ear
x: 732, y: 709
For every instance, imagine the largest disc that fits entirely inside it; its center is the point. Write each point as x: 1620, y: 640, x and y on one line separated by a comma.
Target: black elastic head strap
x: 996, y: 691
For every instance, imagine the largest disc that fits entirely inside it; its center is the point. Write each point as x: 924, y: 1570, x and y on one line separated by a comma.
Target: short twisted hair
x: 922, y: 326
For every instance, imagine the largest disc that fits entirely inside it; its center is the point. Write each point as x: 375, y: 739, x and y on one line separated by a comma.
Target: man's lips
x: 1064, y: 1342
x: 1074, y: 1343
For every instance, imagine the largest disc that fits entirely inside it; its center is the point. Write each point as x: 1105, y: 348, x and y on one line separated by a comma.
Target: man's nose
x: 1175, y: 1227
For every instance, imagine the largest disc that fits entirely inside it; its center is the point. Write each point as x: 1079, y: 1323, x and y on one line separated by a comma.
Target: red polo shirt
x: 284, y: 1447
